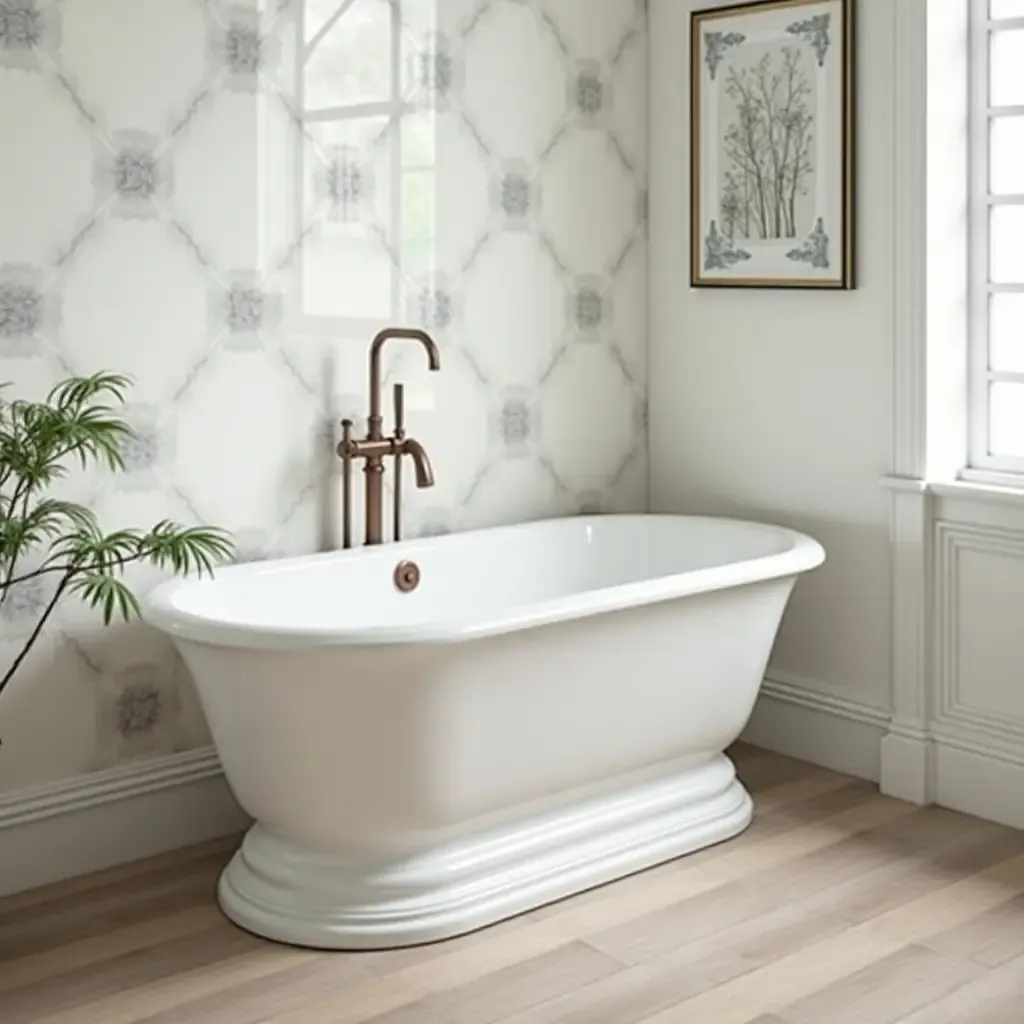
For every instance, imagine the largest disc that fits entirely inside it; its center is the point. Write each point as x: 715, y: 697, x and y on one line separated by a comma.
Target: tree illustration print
x: 767, y: 148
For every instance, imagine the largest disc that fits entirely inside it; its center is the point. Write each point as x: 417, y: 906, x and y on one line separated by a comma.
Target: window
x: 996, y: 371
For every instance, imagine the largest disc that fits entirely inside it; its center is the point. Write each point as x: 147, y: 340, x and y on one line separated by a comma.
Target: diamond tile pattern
x: 227, y: 198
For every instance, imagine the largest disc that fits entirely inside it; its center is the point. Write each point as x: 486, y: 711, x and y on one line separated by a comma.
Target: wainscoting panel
x: 979, y: 598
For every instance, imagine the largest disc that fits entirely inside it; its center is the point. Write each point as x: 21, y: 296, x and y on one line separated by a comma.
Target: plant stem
x: 70, y: 572
x: 22, y: 492
x: 32, y: 575
x: 73, y: 570
x: 34, y: 636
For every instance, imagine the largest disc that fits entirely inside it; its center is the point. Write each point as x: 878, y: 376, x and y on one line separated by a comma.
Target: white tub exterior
x: 546, y: 712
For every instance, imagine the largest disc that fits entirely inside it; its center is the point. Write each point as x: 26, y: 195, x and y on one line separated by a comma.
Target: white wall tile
x: 579, y: 444
x: 134, y: 63
x: 135, y: 302
x: 179, y: 215
x: 515, y: 82
x: 46, y: 175
x: 515, y: 314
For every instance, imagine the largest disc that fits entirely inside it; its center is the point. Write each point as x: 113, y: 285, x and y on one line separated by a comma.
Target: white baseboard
x: 983, y: 782
x: 69, y: 828
x: 802, y: 719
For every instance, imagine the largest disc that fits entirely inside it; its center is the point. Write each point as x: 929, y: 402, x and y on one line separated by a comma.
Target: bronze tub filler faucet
x: 375, y: 447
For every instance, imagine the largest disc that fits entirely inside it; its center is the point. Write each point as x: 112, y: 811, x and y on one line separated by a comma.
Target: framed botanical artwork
x: 771, y: 145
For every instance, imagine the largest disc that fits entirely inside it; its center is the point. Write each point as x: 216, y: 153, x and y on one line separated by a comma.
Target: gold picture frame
x: 772, y: 145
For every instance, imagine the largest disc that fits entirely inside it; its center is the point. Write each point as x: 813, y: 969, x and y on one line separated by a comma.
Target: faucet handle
x: 345, y: 451
x: 399, y: 401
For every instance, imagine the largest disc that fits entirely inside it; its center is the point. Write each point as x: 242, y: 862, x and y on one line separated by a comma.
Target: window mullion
x: 998, y: 24
x: 978, y: 176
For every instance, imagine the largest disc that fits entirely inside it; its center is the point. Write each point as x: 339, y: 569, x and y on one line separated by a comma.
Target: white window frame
x: 982, y: 464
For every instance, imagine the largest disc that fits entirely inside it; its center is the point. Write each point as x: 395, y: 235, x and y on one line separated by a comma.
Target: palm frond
x: 186, y: 549
x: 80, y: 421
x: 110, y: 595
x: 76, y: 391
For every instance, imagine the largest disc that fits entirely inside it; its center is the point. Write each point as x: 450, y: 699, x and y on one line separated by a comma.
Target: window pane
x: 1007, y: 254
x: 1006, y: 423
x: 1006, y: 9
x: 418, y: 131
x: 1006, y: 161
x: 1006, y: 333
x: 1007, y: 73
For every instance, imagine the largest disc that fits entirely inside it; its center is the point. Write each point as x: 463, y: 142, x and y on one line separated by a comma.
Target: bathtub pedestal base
x: 277, y: 890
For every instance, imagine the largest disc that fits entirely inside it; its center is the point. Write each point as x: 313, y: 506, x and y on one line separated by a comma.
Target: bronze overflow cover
x: 407, y: 576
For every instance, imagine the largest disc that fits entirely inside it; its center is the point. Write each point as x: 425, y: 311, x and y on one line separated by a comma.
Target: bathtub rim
x: 159, y: 610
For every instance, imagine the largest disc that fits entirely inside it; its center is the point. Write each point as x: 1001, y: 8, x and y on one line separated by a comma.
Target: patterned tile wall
x: 226, y: 200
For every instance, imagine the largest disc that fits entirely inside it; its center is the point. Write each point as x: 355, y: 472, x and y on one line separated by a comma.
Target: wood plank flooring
x: 837, y: 906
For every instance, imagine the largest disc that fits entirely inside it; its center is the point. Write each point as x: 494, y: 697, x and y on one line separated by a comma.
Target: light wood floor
x: 837, y: 906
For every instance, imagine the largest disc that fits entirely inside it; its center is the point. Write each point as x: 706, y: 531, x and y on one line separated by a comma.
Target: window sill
x: 976, y: 486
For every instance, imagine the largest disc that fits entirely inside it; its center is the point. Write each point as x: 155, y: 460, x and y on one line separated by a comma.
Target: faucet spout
x: 421, y: 462
x: 376, y: 347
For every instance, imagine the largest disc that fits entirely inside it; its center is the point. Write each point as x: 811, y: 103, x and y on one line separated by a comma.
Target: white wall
x: 170, y: 211
x: 902, y: 658
x: 776, y: 405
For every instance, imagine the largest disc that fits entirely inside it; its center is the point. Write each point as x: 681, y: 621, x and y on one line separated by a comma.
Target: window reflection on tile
x: 350, y: 60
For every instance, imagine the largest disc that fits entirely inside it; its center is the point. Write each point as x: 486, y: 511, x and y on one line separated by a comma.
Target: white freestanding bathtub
x: 546, y: 711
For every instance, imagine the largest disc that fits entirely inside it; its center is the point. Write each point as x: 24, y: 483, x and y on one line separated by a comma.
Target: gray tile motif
x: 433, y: 307
x: 244, y: 309
x: 21, y: 24
x: 146, y: 451
x: 517, y: 423
x: 138, y: 709
x: 244, y: 49
x: 348, y: 183
x: 26, y: 311
x: 515, y: 195
x: 142, y: 451
x: 28, y: 29
x: 433, y: 71
x: 588, y: 94
x: 588, y: 309
x: 24, y: 603
x: 134, y: 173
x: 139, y: 706
x: 240, y: 45
x: 20, y: 310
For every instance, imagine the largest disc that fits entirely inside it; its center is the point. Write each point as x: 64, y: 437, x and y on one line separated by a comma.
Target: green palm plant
x: 62, y: 541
